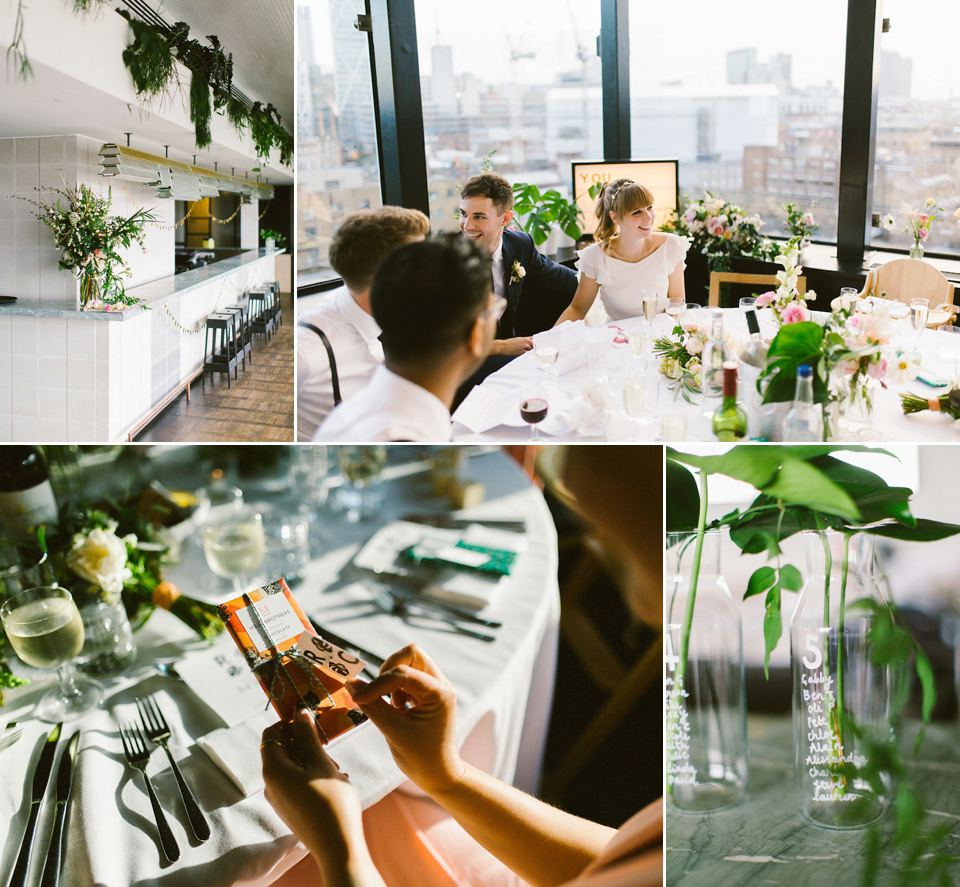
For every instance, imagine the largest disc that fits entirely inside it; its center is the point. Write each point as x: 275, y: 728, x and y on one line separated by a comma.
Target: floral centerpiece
x: 788, y: 305
x: 679, y: 355
x: 721, y: 231
x: 919, y: 223
x: 800, y: 223
x: 89, y: 238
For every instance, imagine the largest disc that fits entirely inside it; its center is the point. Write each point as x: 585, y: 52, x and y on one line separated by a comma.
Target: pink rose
x: 795, y: 313
x: 690, y: 214
x: 693, y: 344
x: 764, y: 299
x: 878, y: 370
x: 715, y: 226
x: 923, y: 233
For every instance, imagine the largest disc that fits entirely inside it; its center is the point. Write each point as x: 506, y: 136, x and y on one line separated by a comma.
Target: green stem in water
x: 694, y: 577
x: 844, y: 569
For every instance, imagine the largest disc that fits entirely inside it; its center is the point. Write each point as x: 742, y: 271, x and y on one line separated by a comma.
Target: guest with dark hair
x: 437, y: 313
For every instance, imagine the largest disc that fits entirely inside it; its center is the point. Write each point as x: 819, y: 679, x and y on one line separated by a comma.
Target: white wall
x: 28, y: 259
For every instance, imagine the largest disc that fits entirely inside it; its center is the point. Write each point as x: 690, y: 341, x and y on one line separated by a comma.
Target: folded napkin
x: 589, y: 412
x: 236, y: 751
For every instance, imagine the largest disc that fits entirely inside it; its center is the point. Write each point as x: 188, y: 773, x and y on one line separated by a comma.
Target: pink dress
x: 414, y: 843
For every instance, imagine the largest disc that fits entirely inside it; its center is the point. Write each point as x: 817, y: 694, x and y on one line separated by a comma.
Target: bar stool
x: 220, y: 346
x: 244, y: 346
x: 272, y: 288
x: 259, y: 316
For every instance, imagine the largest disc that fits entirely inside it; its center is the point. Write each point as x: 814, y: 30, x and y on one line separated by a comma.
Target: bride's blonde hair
x: 621, y: 196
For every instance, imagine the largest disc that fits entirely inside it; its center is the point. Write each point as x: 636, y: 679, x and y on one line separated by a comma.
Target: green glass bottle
x: 729, y: 420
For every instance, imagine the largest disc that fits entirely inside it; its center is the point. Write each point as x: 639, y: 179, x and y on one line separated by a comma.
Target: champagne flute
x: 675, y: 309
x: 649, y: 301
x: 919, y: 312
x: 45, y: 630
x: 533, y: 409
x: 234, y: 546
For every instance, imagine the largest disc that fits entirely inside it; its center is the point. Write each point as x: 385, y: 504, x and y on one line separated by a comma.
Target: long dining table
x: 586, y: 400
x: 504, y: 691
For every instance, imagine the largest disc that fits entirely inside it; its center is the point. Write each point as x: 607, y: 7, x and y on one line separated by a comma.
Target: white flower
x: 74, y: 219
x: 887, y: 221
x: 100, y: 558
x: 518, y: 272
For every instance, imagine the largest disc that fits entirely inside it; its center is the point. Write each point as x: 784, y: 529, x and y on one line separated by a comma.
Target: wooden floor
x: 257, y: 407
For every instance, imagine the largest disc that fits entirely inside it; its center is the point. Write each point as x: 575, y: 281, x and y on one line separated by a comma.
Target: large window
x: 749, y: 99
x: 518, y: 83
x: 918, y: 122
x: 337, y: 166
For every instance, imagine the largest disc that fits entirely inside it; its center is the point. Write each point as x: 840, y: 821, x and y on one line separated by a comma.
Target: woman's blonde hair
x: 621, y: 196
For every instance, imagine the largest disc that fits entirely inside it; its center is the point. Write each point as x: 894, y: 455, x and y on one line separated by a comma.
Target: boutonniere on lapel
x: 517, y: 272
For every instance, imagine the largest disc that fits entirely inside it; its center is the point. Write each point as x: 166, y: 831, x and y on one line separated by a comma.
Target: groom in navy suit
x: 537, y: 289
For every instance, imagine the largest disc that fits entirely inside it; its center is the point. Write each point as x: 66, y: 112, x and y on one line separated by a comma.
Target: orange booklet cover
x: 293, y: 665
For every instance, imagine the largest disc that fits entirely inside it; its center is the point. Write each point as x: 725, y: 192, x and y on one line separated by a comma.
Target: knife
x: 445, y: 522
x: 40, y: 775
x: 51, y: 868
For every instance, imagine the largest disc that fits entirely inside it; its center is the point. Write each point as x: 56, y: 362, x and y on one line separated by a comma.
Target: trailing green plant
x: 267, y: 132
x: 17, y: 50
x: 149, y: 59
x: 537, y: 212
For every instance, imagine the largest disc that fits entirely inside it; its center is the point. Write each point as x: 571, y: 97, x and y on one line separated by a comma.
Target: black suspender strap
x: 333, y: 361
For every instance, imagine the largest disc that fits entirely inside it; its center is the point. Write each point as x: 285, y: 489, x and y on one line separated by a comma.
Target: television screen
x: 660, y: 176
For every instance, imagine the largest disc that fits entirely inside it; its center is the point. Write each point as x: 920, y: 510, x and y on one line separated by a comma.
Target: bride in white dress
x: 628, y: 257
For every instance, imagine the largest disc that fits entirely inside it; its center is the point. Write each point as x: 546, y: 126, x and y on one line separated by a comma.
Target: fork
x: 135, y: 748
x: 11, y: 733
x: 396, y: 607
x: 157, y: 730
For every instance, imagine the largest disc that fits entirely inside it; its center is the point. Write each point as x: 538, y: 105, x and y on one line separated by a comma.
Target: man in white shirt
x: 343, y: 315
x: 437, y: 312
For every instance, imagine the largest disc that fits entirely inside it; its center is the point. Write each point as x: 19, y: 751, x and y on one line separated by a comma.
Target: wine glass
x: 648, y: 298
x: 234, y: 545
x: 675, y: 310
x: 533, y: 409
x: 919, y: 312
x: 637, y: 337
x: 746, y: 303
x: 546, y: 353
x: 45, y: 629
x: 361, y: 466
x: 848, y: 297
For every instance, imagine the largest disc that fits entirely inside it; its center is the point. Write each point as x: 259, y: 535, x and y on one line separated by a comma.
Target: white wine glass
x: 234, y: 546
x: 545, y: 353
x: 45, y: 630
x: 648, y: 298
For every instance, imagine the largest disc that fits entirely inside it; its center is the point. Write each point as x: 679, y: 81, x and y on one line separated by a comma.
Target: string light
x: 234, y: 294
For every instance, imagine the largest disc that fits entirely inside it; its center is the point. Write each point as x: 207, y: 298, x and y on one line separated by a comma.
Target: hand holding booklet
x: 293, y: 664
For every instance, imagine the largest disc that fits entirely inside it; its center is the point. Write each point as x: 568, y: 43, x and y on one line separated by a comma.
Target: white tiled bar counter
x: 91, y: 376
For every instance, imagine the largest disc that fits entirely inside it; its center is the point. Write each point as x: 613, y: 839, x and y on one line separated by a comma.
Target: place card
x: 219, y: 676
x: 268, y: 625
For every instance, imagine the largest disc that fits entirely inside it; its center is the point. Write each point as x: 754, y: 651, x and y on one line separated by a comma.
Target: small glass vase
x: 916, y: 251
x: 852, y: 408
x: 89, y: 290
x: 706, y: 744
x: 108, y: 647
x: 841, y: 698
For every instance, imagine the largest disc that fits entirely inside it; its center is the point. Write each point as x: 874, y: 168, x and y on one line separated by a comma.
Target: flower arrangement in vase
x: 787, y: 303
x: 720, y: 231
x: 800, y: 223
x: 89, y: 238
x: 918, y: 224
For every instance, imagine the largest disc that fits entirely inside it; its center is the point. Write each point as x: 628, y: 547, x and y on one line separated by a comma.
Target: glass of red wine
x: 533, y: 409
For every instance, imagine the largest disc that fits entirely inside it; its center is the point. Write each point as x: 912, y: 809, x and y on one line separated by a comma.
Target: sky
x: 664, y: 47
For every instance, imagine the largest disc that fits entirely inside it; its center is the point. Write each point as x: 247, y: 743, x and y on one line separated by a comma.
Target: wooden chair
x: 906, y: 279
x: 718, y: 277
x: 623, y: 683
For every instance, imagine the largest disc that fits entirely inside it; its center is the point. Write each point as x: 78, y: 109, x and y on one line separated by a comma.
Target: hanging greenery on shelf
x: 150, y: 60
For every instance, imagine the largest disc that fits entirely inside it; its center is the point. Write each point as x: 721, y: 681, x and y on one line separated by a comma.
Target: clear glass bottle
x: 715, y: 354
x: 706, y: 714
x: 729, y: 419
x: 841, y: 699
x: 754, y: 351
x: 804, y: 420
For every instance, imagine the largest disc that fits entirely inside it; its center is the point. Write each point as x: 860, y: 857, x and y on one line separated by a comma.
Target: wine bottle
x: 804, y: 420
x: 26, y: 496
x: 753, y: 352
x: 729, y: 420
x: 715, y: 353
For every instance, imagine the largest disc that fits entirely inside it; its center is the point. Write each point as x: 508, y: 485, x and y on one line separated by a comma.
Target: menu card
x: 294, y: 666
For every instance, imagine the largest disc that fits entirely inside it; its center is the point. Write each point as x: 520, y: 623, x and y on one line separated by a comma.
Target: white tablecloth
x: 889, y: 422
x: 504, y: 693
